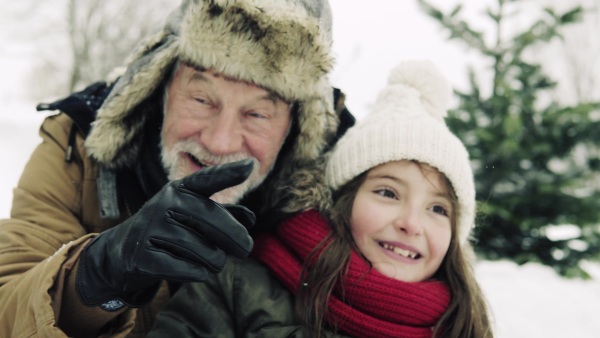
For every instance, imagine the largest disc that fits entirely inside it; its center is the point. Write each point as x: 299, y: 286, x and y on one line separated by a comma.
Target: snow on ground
x: 532, y: 301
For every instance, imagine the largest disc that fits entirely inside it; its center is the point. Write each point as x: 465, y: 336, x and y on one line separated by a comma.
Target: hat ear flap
x: 110, y: 141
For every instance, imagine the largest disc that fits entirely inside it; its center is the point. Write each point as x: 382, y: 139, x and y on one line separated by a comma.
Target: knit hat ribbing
x: 407, y: 123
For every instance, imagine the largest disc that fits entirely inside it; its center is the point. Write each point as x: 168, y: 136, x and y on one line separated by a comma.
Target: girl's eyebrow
x: 389, y: 177
x: 383, y: 176
x: 445, y: 197
x: 438, y: 192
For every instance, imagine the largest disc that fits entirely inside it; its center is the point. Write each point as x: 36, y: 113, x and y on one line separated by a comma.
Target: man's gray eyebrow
x: 272, y: 97
x: 198, y: 76
x: 199, y: 69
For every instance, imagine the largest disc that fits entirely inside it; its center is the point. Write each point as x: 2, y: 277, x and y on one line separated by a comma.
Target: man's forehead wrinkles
x: 201, y: 76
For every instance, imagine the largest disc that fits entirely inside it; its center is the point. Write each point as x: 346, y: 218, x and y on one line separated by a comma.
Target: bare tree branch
x: 77, y: 42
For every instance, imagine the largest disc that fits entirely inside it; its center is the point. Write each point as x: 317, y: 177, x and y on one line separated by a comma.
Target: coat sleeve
x: 44, y: 229
x: 243, y: 300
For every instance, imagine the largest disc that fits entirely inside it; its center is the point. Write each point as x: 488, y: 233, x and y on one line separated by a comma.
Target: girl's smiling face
x: 402, y: 220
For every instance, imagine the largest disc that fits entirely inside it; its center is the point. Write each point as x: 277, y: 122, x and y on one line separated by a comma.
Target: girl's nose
x: 409, y: 221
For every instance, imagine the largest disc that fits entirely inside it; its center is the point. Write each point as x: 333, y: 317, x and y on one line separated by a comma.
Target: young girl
x: 389, y: 257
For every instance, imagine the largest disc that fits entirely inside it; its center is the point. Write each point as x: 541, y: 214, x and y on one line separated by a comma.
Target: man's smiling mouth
x: 196, y: 161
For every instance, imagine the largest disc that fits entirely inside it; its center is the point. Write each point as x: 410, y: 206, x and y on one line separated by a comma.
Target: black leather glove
x: 178, y: 235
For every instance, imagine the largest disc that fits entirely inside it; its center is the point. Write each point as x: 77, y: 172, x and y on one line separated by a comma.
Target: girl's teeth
x: 402, y: 252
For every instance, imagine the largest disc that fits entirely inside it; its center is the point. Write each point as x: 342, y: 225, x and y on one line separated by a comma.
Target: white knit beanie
x: 407, y: 123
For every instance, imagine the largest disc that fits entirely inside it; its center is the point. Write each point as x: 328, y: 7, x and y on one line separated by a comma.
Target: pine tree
x: 526, y: 152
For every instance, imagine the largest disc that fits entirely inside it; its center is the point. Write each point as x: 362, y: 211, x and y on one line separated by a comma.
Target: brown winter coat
x: 51, y: 202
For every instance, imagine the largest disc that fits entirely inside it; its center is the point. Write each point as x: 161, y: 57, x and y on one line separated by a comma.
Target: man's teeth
x: 402, y: 252
x: 195, y: 160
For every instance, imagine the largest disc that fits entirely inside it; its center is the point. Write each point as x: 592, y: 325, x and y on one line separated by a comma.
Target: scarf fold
x: 373, y: 305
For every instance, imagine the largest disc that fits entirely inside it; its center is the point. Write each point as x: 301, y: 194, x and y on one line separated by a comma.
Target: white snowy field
x: 526, y: 301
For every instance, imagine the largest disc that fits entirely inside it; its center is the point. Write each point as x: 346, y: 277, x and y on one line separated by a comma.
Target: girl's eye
x: 386, y: 193
x: 438, y: 209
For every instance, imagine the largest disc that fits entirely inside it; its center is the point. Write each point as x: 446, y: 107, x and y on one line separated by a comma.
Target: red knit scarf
x: 374, y: 305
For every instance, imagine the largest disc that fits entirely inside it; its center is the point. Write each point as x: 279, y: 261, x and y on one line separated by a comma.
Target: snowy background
x: 526, y: 301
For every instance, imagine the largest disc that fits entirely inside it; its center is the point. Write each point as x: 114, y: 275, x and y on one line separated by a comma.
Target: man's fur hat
x: 283, y: 46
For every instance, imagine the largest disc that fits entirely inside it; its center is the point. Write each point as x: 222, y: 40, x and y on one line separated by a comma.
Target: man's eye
x: 202, y: 100
x: 438, y: 209
x: 386, y: 193
x: 256, y: 114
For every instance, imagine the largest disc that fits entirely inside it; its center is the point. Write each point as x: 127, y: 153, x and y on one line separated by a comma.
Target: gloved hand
x: 178, y: 235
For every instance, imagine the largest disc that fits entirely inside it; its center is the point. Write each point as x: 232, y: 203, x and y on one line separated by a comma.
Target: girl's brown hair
x: 467, y: 314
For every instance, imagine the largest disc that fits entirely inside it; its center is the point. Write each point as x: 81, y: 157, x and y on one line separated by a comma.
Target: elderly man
x: 223, y: 104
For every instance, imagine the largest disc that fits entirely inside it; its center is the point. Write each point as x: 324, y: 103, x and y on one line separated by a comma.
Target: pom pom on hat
x: 407, y: 123
x: 418, y: 85
x: 435, y: 92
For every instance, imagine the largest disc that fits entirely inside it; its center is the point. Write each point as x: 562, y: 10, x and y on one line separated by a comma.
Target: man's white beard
x: 175, y: 166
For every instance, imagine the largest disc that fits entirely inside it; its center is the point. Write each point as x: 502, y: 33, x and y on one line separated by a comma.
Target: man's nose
x: 224, y: 135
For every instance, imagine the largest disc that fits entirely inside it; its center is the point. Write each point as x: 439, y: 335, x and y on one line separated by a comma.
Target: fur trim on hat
x: 281, y: 45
